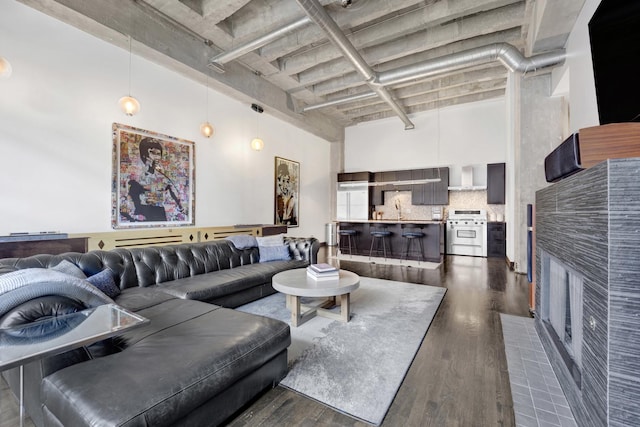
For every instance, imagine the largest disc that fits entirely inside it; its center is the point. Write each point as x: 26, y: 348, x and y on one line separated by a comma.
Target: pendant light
x: 5, y: 68
x: 206, y: 128
x: 256, y: 143
x: 129, y: 104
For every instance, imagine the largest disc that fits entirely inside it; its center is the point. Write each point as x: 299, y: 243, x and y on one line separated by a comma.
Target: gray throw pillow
x: 67, y: 267
x: 274, y: 253
x: 277, y: 240
x: 243, y: 241
x: 104, y: 281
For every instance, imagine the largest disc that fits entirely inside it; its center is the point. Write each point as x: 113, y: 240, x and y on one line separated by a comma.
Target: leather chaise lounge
x: 195, y: 363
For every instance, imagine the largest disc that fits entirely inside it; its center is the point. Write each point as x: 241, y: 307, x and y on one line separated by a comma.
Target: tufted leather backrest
x: 118, y: 261
x: 303, y: 248
x: 157, y: 264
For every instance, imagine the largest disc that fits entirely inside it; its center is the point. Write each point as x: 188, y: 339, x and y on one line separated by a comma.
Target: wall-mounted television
x: 614, y: 31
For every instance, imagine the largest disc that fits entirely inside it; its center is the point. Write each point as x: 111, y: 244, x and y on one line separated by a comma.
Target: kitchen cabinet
x: 441, y: 189
x: 404, y: 175
x: 433, y: 243
x: 377, y: 197
x: 418, y: 190
x: 388, y: 176
x: 496, y: 239
x: 496, y: 184
x: 354, y: 176
x: 431, y: 193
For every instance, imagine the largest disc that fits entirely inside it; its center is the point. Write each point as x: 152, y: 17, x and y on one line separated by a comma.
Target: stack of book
x: 323, y: 272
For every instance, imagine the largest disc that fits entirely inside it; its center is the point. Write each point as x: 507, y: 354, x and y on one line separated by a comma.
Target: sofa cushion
x: 208, y: 287
x: 136, y: 299
x: 189, y: 352
x: 243, y: 241
x: 277, y: 240
x: 67, y: 267
x: 104, y: 281
x: 274, y: 253
x: 205, y: 287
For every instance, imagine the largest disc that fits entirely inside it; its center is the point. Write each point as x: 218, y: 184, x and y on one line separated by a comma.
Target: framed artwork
x: 153, y: 179
x: 287, y: 192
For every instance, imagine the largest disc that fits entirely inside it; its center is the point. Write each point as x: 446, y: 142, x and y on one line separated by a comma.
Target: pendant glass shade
x: 257, y: 144
x: 206, y: 129
x: 5, y: 68
x: 129, y: 105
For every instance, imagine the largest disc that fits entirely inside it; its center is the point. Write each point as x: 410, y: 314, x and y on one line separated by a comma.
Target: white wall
x: 56, y: 113
x: 579, y: 68
x: 470, y: 134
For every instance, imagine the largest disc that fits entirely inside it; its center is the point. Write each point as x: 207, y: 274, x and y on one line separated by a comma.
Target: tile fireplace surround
x: 590, y: 222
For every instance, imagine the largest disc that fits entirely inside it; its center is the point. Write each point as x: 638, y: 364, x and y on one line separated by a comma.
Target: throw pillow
x: 277, y: 240
x: 104, y: 281
x: 67, y: 267
x: 243, y: 241
x: 274, y: 253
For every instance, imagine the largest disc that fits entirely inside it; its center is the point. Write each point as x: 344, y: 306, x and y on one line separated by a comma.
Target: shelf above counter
x: 472, y: 188
x: 388, y: 221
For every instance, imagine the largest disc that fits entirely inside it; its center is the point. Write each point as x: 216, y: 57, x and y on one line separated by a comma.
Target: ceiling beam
x: 425, y: 19
x: 317, y: 14
x: 509, y: 17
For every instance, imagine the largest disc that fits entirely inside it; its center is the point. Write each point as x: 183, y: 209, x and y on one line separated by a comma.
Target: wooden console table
x: 23, y: 246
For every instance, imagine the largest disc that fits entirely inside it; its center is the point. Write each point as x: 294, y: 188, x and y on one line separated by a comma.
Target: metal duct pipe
x: 506, y: 54
x: 217, y: 62
x: 316, y: 12
x: 338, y: 101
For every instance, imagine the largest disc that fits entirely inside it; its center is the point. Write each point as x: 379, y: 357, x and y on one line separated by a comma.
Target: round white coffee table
x: 295, y: 284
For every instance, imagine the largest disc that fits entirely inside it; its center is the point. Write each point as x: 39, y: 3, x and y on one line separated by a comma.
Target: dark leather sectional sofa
x: 196, y: 363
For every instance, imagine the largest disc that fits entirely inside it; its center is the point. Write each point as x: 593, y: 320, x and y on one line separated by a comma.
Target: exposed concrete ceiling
x: 273, y: 53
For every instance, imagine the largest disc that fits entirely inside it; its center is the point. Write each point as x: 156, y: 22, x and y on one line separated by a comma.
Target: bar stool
x: 377, y: 235
x: 350, y: 234
x: 412, y: 232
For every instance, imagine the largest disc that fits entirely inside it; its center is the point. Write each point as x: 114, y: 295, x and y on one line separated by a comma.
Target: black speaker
x: 564, y: 161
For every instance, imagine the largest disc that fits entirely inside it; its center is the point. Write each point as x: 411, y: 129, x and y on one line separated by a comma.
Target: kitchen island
x: 432, y: 242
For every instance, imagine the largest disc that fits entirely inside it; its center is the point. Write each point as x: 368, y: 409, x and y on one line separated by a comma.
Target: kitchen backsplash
x: 457, y: 200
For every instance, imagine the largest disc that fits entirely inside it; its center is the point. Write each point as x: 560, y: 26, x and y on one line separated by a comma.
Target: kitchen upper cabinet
x: 441, y: 189
x: 388, y: 176
x: 377, y: 193
x: 496, y: 183
x: 431, y: 193
x: 404, y: 175
x: 418, y: 190
x: 354, y: 176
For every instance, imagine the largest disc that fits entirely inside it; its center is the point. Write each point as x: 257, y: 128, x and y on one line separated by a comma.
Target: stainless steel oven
x: 467, y: 232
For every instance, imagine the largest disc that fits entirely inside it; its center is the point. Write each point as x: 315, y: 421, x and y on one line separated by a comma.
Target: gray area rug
x: 357, y: 367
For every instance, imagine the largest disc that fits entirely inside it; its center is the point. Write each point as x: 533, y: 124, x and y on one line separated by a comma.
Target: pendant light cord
x: 206, y: 119
x: 129, y: 64
x: 438, y: 141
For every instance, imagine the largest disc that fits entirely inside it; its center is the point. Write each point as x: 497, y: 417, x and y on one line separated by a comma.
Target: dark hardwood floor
x: 459, y: 375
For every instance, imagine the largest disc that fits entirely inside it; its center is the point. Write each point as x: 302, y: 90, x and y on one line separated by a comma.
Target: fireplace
x: 561, y: 311
x: 587, y: 294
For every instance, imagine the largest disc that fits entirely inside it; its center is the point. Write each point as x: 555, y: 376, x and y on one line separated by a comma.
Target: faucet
x: 397, y: 204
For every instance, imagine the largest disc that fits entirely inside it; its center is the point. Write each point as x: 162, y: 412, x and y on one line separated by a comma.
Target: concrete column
x: 513, y: 145
x: 542, y: 120
x: 336, y: 153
